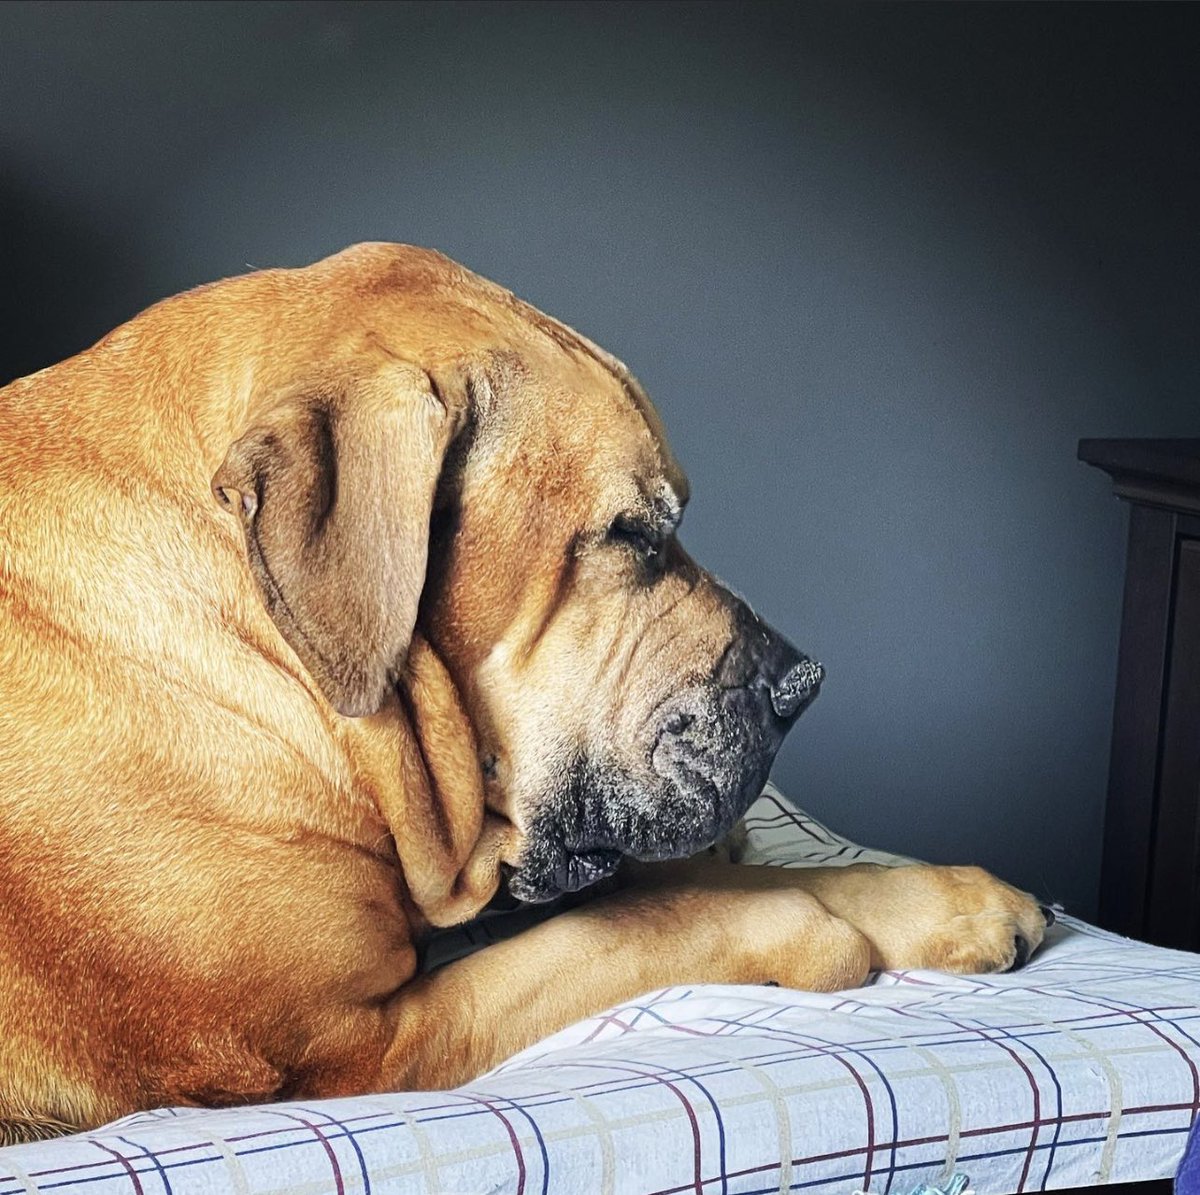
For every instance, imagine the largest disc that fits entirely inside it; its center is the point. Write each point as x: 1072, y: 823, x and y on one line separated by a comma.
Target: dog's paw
x: 919, y: 917
x: 957, y: 919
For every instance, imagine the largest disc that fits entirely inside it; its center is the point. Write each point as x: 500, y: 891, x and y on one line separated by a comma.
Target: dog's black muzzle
x: 711, y: 747
x: 719, y: 740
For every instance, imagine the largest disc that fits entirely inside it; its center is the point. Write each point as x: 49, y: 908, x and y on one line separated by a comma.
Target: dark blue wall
x: 879, y: 266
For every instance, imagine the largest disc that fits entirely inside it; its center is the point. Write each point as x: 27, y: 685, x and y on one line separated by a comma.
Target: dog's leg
x: 722, y: 924
x: 959, y: 919
x: 696, y: 921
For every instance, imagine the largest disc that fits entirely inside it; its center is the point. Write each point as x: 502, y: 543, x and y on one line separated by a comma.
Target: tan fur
x: 214, y: 881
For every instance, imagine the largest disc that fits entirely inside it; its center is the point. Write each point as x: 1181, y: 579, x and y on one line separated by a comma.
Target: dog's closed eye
x: 636, y: 534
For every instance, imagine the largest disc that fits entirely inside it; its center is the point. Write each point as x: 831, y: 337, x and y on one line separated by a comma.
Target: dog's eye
x: 639, y: 536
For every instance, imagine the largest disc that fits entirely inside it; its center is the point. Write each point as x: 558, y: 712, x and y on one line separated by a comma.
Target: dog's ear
x: 334, y: 491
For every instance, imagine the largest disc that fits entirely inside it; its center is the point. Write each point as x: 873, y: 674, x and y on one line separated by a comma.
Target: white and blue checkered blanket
x: 1084, y: 1068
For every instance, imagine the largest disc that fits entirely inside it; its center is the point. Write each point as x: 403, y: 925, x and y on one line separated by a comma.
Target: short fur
x: 257, y: 736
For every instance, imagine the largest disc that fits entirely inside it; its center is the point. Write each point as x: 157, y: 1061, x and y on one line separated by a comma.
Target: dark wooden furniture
x: 1149, y: 885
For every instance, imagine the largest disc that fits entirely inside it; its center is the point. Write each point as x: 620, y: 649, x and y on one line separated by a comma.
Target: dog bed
x: 1082, y: 1069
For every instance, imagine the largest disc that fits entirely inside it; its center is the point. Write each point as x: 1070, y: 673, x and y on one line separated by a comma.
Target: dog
x: 334, y: 601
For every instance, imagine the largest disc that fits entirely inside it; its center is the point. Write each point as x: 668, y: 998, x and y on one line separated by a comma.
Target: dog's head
x: 486, y: 475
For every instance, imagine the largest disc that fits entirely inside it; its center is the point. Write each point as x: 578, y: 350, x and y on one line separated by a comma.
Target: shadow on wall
x: 51, y: 265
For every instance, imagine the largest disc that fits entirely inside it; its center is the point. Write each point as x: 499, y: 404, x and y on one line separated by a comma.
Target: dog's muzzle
x: 710, y: 750
x: 716, y: 742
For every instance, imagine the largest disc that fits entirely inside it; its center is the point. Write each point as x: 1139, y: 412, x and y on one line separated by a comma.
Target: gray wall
x: 879, y: 266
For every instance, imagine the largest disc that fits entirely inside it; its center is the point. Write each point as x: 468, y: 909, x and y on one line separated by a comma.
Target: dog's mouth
x: 601, y: 816
x: 706, y: 756
x: 572, y: 871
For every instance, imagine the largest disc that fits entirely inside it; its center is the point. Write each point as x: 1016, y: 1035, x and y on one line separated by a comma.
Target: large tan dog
x: 331, y: 599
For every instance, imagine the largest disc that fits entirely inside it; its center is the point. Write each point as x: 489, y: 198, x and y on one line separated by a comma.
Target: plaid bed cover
x: 1082, y: 1069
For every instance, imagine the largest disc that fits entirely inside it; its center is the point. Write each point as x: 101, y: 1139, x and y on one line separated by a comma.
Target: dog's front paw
x: 958, y: 919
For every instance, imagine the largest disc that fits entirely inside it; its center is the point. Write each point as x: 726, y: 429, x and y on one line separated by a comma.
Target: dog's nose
x: 784, y: 680
x: 795, y: 690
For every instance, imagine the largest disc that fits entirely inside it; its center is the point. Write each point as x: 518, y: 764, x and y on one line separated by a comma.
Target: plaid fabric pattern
x: 1082, y: 1069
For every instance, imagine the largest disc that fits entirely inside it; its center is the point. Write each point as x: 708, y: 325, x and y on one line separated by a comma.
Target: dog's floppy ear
x: 334, y: 491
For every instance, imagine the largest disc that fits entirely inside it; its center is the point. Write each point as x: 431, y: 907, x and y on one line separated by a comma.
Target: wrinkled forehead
x: 669, y: 482
x: 553, y: 391
x: 597, y: 426
x: 586, y: 414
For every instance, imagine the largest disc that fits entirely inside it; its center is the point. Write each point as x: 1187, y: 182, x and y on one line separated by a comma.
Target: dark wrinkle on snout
x: 693, y: 583
x: 558, y: 595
